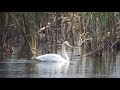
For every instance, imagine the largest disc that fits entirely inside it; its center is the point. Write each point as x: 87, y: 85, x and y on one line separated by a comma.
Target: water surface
x: 78, y: 67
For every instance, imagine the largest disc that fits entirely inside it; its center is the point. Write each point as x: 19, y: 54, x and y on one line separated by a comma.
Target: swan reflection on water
x: 52, y: 69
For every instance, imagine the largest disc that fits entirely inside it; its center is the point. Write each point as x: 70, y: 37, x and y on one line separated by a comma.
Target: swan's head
x: 67, y: 44
x: 35, y: 49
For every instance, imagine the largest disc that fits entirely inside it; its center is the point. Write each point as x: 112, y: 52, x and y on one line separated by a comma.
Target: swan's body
x: 55, y: 57
x: 50, y: 57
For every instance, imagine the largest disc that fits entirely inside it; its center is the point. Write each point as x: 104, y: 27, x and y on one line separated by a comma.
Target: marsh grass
x: 95, y: 32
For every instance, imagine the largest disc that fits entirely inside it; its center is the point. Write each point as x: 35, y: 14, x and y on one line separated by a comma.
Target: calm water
x: 78, y: 67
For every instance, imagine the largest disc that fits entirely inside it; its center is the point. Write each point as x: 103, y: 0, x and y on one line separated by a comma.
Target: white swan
x: 55, y: 57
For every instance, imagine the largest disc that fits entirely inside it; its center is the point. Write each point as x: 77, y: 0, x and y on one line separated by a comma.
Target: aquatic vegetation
x: 95, y: 32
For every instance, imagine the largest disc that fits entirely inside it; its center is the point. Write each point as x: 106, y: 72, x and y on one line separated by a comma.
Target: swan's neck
x: 64, y: 54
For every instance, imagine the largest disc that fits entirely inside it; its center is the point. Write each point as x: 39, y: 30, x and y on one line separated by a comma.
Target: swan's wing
x: 50, y: 57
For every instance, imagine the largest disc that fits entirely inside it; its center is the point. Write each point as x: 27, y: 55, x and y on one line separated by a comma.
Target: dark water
x: 78, y: 67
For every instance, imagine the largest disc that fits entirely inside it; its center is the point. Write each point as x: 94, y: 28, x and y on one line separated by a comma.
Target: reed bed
x: 92, y: 32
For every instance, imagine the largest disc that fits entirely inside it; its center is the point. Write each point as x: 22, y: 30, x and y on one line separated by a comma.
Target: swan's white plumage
x: 55, y: 57
x: 50, y: 57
